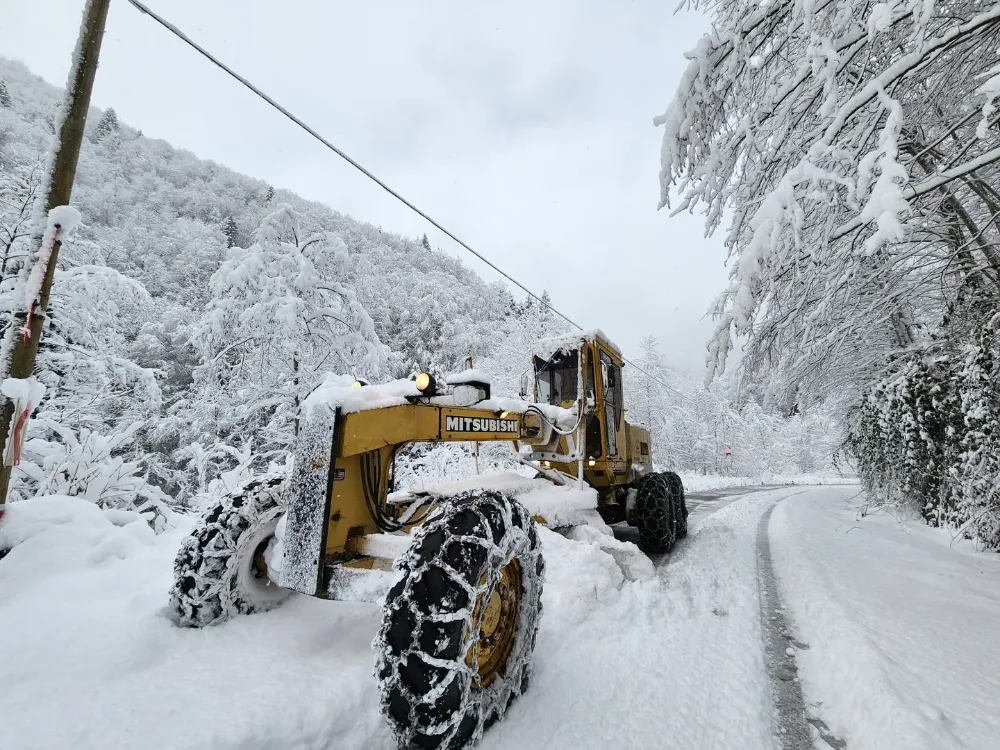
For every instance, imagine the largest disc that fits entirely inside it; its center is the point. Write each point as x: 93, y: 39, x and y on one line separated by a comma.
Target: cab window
x: 556, y: 378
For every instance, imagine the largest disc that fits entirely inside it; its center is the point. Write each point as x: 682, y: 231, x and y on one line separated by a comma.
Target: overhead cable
x: 354, y: 163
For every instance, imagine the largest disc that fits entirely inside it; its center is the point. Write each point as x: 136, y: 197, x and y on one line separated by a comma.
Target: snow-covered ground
x: 901, y: 626
x: 91, y: 660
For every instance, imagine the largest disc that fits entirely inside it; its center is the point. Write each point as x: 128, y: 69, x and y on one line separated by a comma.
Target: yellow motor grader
x: 459, y: 573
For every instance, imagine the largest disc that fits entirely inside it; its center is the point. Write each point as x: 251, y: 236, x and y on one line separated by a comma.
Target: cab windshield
x: 556, y: 378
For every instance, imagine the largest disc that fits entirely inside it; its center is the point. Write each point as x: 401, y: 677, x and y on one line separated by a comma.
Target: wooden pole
x: 24, y: 343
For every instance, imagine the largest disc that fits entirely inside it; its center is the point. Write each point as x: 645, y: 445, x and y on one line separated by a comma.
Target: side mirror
x: 524, y: 386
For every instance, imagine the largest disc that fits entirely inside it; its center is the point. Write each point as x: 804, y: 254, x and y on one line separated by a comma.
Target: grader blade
x: 306, y: 525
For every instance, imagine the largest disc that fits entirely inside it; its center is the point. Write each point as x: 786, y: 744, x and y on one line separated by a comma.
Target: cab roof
x: 568, y: 342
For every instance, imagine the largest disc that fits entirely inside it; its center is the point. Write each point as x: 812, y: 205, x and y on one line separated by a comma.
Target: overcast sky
x: 523, y: 126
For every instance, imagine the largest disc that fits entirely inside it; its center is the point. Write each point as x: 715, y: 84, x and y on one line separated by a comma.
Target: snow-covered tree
x: 19, y: 187
x: 229, y: 229
x: 274, y: 325
x: 5, y: 100
x: 856, y: 148
x: 107, y: 125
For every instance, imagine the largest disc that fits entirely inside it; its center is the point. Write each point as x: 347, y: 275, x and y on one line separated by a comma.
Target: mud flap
x: 309, y: 496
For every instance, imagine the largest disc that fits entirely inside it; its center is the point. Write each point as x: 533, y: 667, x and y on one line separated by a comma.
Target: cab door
x: 611, y: 383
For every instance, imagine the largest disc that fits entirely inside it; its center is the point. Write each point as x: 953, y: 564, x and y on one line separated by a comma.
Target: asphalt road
x: 701, y: 504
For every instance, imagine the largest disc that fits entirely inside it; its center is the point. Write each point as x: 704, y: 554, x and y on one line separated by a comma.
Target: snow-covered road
x: 900, y: 626
x: 89, y: 659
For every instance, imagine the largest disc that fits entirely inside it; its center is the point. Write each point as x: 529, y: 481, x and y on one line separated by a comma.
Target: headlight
x: 426, y: 384
x: 358, y: 383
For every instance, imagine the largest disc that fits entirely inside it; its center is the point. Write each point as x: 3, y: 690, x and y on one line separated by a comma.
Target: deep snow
x: 90, y: 659
x: 894, y: 640
x: 901, y: 626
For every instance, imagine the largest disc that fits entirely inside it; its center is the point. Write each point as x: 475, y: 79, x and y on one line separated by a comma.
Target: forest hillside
x: 195, y: 307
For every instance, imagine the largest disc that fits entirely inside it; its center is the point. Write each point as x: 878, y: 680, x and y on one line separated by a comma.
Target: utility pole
x: 25, y: 330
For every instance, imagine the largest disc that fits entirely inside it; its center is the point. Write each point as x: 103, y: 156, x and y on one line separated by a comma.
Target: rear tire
x: 681, y: 511
x: 458, y: 630
x: 654, y: 513
x: 219, y: 570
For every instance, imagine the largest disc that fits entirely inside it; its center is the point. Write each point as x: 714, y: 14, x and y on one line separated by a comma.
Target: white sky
x: 523, y: 126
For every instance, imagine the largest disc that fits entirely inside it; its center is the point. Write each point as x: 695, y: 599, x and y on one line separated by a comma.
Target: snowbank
x: 699, y: 482
x: 900, y: 628
x: 46, y: 534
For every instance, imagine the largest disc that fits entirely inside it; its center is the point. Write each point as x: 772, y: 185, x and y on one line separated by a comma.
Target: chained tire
x: 680, y: 504
x: 654, y: 513
x: 220, y: 570
x: 458, y: 630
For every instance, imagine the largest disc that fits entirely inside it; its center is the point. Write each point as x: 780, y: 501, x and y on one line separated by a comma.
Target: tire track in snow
x: 792, y: 721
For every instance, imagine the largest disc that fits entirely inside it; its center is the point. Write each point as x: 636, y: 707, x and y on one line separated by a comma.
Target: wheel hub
x: 495, y: 619
x: 258, y: 563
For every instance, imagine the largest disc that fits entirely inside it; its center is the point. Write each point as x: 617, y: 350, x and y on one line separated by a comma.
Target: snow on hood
x: 339, y: 391
x: 467, y: 376
x: 568, y: 342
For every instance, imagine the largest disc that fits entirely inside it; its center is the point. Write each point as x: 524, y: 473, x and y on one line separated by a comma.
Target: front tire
x: 220, y: 570
x: 680, y: 504
x: 458, y: 630
x: 654, y: 513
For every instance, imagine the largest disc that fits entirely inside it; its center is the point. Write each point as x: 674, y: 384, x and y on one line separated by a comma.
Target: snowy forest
x: 194, y: 308
x: 854, y: 150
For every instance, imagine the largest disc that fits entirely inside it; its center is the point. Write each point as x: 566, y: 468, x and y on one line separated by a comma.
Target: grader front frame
x: 459, y: 575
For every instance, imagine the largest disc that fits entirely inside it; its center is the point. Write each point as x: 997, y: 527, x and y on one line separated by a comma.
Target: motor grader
x: 459, y: 573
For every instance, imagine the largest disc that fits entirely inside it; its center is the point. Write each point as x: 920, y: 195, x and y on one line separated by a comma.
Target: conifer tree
x: 229, y: 229
x: 107, y: 125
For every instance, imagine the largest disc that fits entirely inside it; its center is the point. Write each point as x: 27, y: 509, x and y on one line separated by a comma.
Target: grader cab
x: 459, y: 571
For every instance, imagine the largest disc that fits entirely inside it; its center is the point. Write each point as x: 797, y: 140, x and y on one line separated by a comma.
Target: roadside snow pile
x: 699, y: 482
x: 82, y: 607
x: 901, y: 628
x: 45, y: 534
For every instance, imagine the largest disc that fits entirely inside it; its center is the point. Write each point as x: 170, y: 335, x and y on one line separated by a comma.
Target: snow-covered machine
x: 459, y: 570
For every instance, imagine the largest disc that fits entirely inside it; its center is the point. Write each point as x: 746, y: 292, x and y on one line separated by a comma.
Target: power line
x: 343, y: 155
x: 339, y: 152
